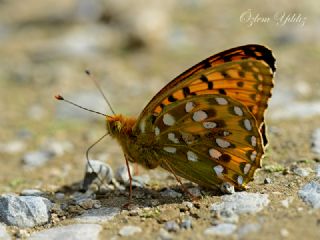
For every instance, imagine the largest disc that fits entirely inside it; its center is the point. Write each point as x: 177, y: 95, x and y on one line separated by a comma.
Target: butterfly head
x: 119, y: 125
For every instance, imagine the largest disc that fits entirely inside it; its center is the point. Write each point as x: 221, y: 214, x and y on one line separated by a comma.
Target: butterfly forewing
x: 247, y: 81
x: 208, y: 139
x: 244, y: 73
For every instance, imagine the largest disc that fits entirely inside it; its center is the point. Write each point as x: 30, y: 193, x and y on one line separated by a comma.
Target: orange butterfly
x: 206, y: 125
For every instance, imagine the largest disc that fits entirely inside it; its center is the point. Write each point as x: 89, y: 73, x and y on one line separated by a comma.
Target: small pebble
x: 88, y: 203
x: 316, y: 141
x: 223, y: 229
x: 195, y: 191
x: 59, y: 195
x: 36, y: 158
x: 171, y: 226
x: 57, y: 148
x: 170, y: 193
x: 97, y: 173
x: 129, y: 230
x: 100, y: 215
x: 12, y: 147
x: 186, y: 223
x: 4, y: 235
x: 310, y: 193
x: 317, y: 170
x: 242, y: 202
x: 267, y: 180
x: 284, y: 232
x: 189, y: 205
x: 227, y: 188
x: 122, y: 175
x: 24, y: 133
x: 286, y: 202
x: 302, y: 172
x: 31, y: 192
x: 72, y: 232
x: 141, y: 180
x: 97, y: 204
x: 226, y: 216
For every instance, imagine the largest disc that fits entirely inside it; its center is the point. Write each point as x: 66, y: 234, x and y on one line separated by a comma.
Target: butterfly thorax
x: 137, y: 148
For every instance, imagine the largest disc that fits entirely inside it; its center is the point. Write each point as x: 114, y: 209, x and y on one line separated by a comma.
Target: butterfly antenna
x: 59, y: 97
x: 87, y: 154
x: 100, y: 90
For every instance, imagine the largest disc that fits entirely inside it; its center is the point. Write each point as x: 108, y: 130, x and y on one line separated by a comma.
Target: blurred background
x: 133, y: 48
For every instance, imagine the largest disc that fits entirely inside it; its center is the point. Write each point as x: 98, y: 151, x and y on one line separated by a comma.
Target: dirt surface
x: 134, y: 50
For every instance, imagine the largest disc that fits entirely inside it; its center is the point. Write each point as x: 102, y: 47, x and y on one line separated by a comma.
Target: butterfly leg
x: 130, y: 178
x: 194, y: 198
x: 126, y: 205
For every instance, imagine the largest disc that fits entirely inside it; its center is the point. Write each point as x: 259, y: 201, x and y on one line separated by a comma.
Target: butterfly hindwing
x: 208, y: 139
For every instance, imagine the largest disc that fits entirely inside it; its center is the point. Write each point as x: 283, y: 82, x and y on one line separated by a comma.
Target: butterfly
x: 207, y: 124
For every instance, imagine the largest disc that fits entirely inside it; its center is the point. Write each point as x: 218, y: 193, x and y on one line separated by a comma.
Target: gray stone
x: 31, y: 192
x: 284, y: 232
x: 226, y: 216
x: 141, y: 180
x: 189, y: 205
x: 310, y: 193
x: 88, y: 203
x: 170, y: 193
x: 267, y: 180
x: 286, y: 202
x: 24, y: 211
x: 248, y: 228
x: 227, y: 188
x: 129, y: 230
x: 4, y: 235
x: 99, y: 215
x: 70, y: 232
x: 302, y: 172
x: 223, y: 229
x: 37, y: 158
x: 195, y: 191
x: 97, y: 173
x: 316, y: 141
x: 12, y: 147
x: 317, y: 170
x: 57, y: 148
x: 122, y: 175
x: 186, y: 223
x: 242, y: 202
x: 59, y: 195
x: 171, y: 226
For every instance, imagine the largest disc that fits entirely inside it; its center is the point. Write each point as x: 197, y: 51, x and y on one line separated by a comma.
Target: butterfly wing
x: 244, y: 73
x: 208, y: 139
x: 230, y: 90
